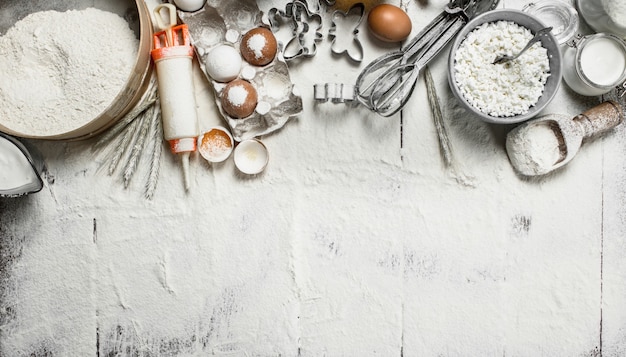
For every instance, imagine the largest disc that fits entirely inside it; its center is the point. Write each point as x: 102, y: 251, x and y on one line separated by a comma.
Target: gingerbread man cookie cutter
x: 305, y: 28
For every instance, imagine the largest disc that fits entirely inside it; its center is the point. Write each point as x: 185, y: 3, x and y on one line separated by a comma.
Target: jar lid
x: 562, y: 16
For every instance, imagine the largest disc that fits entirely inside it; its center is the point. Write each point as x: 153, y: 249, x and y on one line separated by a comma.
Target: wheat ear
x: 122, y: 145
x: 148, y: 99
x: 435, y: 108
x: 156, y: 138
x: 137, y: 148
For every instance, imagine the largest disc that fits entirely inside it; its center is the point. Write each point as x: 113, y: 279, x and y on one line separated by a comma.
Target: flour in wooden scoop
x: 60, y: 70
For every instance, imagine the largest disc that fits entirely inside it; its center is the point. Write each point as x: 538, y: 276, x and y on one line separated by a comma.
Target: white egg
x: 223, y: 63
x: 189, y: 5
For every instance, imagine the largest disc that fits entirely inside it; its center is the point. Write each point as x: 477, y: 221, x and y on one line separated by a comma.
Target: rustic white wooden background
x: 356, y: 241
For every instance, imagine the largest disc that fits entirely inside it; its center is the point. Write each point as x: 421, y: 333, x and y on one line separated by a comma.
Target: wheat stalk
x: 444, y: 140
x: 139, y: 130
x: 137, y: 148
x: 435, y: 108
x: 156, y: 138
x: 122, y: 145
x: 148, y: 100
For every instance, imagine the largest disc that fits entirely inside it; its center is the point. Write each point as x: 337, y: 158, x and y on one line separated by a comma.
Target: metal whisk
x: 386, y: 84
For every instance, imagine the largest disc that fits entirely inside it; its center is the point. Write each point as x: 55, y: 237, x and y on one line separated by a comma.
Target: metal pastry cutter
x: 354, y: 49
x: 304, y: 33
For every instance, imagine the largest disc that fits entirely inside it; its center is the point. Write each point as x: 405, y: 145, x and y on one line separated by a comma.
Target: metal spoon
x: 507, y: 58
x: 386, y: 84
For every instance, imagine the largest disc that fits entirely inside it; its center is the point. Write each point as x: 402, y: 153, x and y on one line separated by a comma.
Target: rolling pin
x: 172, y: 54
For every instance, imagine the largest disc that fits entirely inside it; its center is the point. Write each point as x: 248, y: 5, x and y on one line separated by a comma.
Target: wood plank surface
x: 355, y: 241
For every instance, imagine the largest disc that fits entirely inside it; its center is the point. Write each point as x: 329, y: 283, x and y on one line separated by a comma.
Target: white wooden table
x: 355, y: 241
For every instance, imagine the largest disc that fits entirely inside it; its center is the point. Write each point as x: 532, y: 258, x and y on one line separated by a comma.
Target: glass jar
x: 21, y: 166
x: 556, y: 13
x: 596, y: 15
x: 594, y: 64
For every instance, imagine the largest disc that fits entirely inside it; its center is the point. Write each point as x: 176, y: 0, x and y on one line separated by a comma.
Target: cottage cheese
x: 501, y: 90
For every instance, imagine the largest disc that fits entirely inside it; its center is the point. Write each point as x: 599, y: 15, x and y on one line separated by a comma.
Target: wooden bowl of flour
x: 62, y: 98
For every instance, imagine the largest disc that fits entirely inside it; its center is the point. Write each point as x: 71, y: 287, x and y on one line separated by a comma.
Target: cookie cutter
x: 335, y: 92
x: 356, y: 53
x: 314, y: 6
x: 298, y: 15
x: 385, y: 84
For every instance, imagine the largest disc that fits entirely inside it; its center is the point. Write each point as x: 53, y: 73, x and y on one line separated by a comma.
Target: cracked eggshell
x: 251, y: 157
x: 216, y: 145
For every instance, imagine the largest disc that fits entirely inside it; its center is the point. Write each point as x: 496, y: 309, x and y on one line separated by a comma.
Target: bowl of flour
x: 509, y: 92
x: 70, y: 69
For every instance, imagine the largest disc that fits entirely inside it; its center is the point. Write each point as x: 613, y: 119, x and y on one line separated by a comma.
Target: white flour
x: 238, y: 95
x: 616, y: 9
x: 62, y: 69
x: 534, y: 149
x: 342, y: 247
x: 257, y: 43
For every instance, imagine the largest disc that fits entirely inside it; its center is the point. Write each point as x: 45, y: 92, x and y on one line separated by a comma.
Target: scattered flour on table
x: 62, y: 69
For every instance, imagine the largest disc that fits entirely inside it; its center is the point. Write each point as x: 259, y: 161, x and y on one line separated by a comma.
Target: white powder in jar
x: 60, y: 70
x: 501, y: 90
x: 616, y: 9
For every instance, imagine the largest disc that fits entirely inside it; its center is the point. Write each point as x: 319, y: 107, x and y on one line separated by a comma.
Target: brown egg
x: 389, y: 23
x: 239, y: 98
x: 345, y: 5
x: 258, y: 46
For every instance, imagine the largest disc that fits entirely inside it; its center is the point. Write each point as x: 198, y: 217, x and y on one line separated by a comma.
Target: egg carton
x: 224, y: 23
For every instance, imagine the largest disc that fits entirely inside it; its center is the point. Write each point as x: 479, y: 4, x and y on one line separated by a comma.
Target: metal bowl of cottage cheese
x: 71, y: 68
x: 510, y: 92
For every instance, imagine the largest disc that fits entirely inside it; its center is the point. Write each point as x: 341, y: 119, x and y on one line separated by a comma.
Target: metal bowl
x: 549, y: 42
